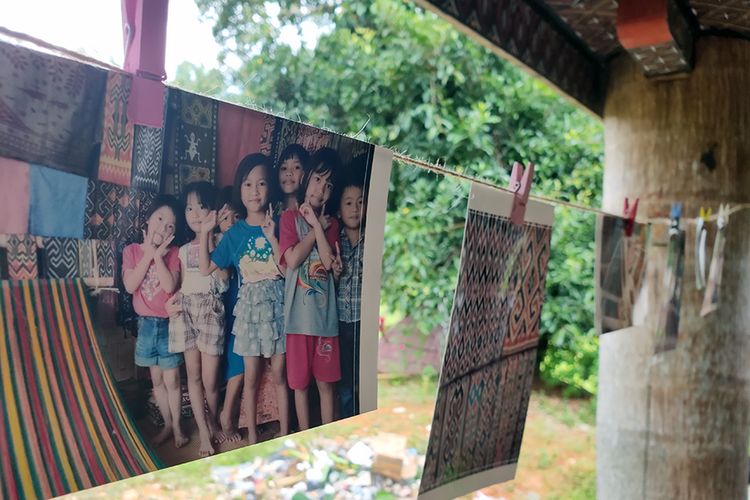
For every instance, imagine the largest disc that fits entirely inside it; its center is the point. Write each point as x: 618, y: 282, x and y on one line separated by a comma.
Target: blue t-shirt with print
x: 247, y: 249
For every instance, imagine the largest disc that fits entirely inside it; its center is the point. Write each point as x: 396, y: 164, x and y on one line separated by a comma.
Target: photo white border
x: 377, y: 197
x: 471, y: 483
x: 498, y: 202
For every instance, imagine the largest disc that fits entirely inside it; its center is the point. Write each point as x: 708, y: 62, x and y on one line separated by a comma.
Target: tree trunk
x: 675, y: 425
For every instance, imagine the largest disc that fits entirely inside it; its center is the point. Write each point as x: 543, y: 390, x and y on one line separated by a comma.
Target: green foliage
x: 410, y: 81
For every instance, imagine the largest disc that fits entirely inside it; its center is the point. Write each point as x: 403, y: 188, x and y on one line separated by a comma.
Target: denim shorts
x: 152, y: 344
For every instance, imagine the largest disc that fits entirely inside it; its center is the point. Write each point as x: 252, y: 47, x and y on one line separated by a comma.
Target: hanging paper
x: 14, y: 196
x: 711, y: 297
x: 52, y: 109
x: 620, y: 267
x: 669, y: 321
x: 490, y: 355
x: 241, y: 131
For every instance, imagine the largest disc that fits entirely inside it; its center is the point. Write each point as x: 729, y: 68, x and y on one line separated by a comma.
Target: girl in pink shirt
x: 151, y: 272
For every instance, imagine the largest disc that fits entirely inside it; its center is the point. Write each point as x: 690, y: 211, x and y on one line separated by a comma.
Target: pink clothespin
x: 520, y: 184
x: 629, y: 214
x: 145, y: 37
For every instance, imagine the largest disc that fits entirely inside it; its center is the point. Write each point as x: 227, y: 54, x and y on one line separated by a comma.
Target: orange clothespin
x: 629, y: 213
x: 520, y: 184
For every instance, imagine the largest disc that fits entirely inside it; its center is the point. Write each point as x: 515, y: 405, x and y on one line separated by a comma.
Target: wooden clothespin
x: 144, y: 26
x: 629, y: 213
x: 701, y: 233
x: 520, y: 184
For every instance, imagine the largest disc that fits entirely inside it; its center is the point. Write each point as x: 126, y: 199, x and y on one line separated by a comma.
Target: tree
x: 408, y: 80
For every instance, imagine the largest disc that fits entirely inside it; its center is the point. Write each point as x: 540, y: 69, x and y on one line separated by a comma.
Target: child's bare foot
x: 180, y: 440
x: 228, y: 431
x: 206, y: 448
x: 217, y: 436
x: 162, y: 436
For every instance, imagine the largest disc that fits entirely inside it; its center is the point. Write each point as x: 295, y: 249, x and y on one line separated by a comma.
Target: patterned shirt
x: 350, y: 282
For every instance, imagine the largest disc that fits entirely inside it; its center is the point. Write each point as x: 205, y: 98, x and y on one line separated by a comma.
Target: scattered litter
x: 399, y: 409
x: 325, y: 469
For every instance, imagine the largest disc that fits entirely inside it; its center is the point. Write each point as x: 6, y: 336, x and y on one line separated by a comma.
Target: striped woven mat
x: 63, y: 426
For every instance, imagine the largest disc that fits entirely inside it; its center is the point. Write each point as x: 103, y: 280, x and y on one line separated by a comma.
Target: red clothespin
x: 629, y: 214
x: 520, y: 184
x: 145, y: 37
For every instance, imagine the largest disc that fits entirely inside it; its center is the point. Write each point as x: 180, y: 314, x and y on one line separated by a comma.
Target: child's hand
x: 148, y: 246
x: 269, y: 226
x: 161, y: 250
x: 325, y: 220
x: 337, y: 266
x: 210, y: 222
x: 173, y: 305
x: 309, y: 214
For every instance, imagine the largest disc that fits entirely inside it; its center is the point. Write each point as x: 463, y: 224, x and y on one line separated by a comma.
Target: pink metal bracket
x: 520, y: 184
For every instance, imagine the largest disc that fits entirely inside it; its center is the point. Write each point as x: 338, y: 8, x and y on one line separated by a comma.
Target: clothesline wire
x: 433, y: 167
x: 439, y: 169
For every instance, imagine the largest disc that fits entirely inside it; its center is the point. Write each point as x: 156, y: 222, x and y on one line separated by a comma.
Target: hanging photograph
x: 489, y: 360
x: 199, y: 287
x: 620, y: 268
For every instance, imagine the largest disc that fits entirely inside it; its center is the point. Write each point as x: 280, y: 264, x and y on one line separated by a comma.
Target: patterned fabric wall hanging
x: 192, y: 132
x: 63, y: 422
x: 240, y: 132
x: 50, y: 109
x: 105, y: 260
x: 116, y: 155
x: 620, y: 268
x: 86, y: 256
x: 21, y: 251
x: 14, y: 196
x: 60, y: 258
x: 488, y: 367
x: 147, y: 158
x: 58, y: 203
x: 115, y: 212
x: 126, y: 315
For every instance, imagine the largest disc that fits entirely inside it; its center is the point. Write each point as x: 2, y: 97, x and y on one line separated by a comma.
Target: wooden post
x: 675, y: 425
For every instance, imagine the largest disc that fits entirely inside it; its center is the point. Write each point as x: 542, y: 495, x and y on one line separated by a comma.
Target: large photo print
x: 189, y: 290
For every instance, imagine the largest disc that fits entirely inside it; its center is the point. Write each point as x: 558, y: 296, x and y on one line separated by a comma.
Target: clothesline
x: 433, y: 167
x: 439, y: 169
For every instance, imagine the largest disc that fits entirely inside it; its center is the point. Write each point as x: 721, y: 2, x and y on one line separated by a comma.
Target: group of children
x: 250, y: 285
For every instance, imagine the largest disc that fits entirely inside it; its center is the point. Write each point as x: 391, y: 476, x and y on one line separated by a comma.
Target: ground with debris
x: 364, y: 457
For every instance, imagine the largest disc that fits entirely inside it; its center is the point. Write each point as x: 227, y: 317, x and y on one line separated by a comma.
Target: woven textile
x: 115, y: 212
x: 14, y: 196
x: 22, y: 257
x: 147, y: 157
x: 490, y: 356
x: 60, y: 258
x: 63, y: 425
x: 116, y: 155
x: 621, y: 263
x: 58, y: 203
x: 50, y: 109
x: 191, y: 126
